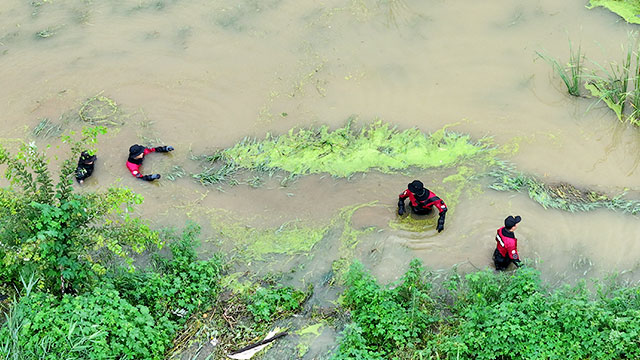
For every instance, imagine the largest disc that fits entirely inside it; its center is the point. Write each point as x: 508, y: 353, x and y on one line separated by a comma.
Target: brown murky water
x: 201, y: 75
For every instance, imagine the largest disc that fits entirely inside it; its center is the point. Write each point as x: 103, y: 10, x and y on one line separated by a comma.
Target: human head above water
x: 510, y: 222
x: 86, y: 158
x: 416, y: 187
x: 136, y: 150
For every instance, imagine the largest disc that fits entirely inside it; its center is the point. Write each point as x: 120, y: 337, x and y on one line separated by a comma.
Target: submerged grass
x: 257, y: 243
x: 47, y: 129
x: 349, y: 238
x: 341, y: 152
x: 561, y: 196
x: 295, y: 237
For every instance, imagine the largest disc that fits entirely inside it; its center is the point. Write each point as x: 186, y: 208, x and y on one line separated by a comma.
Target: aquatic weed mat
x: 342, y: 152
x: 562, y: 196
x: 251, y: 243
x: 627, y: 9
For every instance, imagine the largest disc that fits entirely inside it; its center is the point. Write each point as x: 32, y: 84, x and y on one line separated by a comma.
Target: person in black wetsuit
x: 85, y: 167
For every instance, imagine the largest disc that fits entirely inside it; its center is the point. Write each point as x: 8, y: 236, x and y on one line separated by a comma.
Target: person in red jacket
x: 421, y: 201
x: 507, y: 245
x: 136, y: 156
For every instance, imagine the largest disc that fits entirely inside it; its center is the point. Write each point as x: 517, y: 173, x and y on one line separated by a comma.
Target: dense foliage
x: 129, y: 315
x: 65, y: 238
x: 385, y: 320
x: 80, y: 303
x: 95, y: 325
x: 175, y: 286
x: 488, y: 316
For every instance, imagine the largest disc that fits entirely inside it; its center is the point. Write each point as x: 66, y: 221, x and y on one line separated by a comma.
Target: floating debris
x: 100, y: 110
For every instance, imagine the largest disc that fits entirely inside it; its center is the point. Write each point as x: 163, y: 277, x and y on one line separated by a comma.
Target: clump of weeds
x: 571, y: 73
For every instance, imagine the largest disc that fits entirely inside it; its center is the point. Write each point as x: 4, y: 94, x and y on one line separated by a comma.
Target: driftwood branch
x: 262, y: 342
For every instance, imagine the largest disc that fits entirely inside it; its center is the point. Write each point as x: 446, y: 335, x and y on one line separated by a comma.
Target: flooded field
x: 203, y: 75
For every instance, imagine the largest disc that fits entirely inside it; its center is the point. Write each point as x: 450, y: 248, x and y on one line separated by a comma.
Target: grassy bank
x: 487, y: 315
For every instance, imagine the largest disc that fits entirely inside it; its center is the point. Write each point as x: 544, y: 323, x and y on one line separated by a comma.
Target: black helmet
x: 86, y: 158
x: 511, y: 221
x: 136, y: 150
x: 416, y: 186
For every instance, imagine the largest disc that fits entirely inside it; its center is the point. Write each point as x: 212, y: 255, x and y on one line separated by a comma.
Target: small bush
x: 265, y: 304
x: 179, y: 285
x: 386, y: 320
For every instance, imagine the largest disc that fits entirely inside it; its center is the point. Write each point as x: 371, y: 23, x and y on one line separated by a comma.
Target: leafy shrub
x: 265, y: 304
x: 180, y: 284
x: 386, y: 320
x: 511, y: 316
x: 64, y: 237
x: 95, y: 325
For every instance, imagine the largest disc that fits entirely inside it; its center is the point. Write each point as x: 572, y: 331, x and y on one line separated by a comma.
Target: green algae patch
x: 307, y: 335
x: 233, y: 283
x: 627, y: 9
x: 561, y: 196
x: 414, y: 223
x: 349, y: 238
x: 311, y: 330
x: 342, y: 152
x: 291, y: 238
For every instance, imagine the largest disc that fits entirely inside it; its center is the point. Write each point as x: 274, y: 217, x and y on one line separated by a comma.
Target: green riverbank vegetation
x: 485, y: 315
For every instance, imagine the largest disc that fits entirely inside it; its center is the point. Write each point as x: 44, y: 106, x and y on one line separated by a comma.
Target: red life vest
x: 425, y: 203
x: 507, y: 246
x: 135, y: 168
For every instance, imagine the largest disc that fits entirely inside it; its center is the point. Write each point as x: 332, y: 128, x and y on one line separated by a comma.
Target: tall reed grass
x: 570, y: 74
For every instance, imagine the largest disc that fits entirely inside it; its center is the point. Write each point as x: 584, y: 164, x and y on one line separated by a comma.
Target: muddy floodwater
x: 202, y: 75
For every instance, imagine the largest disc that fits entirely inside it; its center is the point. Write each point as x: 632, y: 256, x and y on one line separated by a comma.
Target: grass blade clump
x: 634, y: 96
x: 341, y: 152
x: 572, y: 73
x: 100, y: 110
x: 47, y: 129
x: 561, y: 196
x: 612, y: 88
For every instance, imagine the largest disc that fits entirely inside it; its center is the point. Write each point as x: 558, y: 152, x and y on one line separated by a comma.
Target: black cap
x: 136, y: 150
x: 511, y: 221
x: 415, y: 186
x: 86, y: 158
